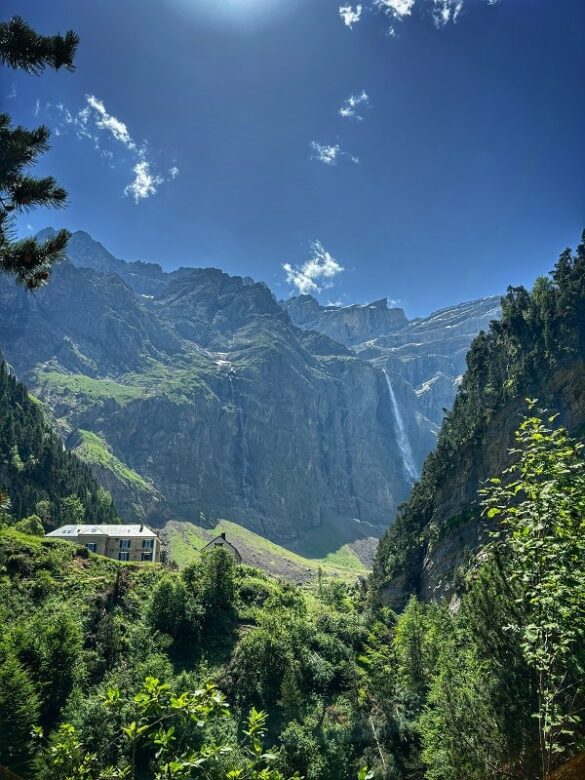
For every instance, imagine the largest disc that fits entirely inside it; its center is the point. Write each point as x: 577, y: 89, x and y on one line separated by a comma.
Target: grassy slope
x: 94, y: 450
x: 186, y: 540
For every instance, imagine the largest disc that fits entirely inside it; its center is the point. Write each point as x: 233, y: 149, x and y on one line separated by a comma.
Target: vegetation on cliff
x: 37, y: 474
x: 535, y: 350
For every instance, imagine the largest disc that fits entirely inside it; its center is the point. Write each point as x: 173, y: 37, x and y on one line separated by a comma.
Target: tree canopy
x: 28, y: 260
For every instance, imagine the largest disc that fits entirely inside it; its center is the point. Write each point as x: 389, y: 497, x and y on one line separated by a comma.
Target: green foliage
x: 22, y: 47
x: 167, y: 610
x: 30, y: 261
x: 94, y: 450
x: 36, y: 472
x: 19, y: 708
x: 540, y: 506
x: 123, y: 665
x: 539, y: 338
x: 30, y: 525
x: 158, y: 736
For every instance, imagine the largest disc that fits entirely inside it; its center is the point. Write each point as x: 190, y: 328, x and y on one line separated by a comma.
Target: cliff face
x: 348, y: 324
x: 205, y: 398
x: 195, y: 392
x: 423, y: 358
x: 536, y: 351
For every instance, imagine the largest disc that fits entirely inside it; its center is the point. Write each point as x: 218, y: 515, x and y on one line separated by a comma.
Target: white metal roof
x: 71, y: 531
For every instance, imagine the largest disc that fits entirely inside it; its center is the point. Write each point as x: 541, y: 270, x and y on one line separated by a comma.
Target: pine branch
x: 22, y: 47
x: 31, y: 261
x: 28, y: 192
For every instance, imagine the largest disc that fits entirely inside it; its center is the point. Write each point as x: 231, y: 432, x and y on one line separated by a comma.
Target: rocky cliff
x: 206, y: 399
x: 423, y: 359
x: 536, y: 351
x: 194, y: 392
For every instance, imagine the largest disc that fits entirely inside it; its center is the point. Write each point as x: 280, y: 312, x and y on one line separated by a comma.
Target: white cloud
x: 106, y: 132
x: 145, y: 183
x: 349, y: 16
x: 105, y: 121
x: 397, y: 8
x: 12, y: 94
x: 324, y: 153
x: 315, y: 273
x: 348, y: 109
x: 37, y: 107
x: 330, y: 155
x: 446, y: 11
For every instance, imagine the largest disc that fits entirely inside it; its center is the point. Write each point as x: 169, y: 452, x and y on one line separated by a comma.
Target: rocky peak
x: 85, y: 252
x: 348, y: 324
x: 207, y: 305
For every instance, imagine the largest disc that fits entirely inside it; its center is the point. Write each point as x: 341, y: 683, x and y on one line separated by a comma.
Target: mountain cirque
x: 193, y: 392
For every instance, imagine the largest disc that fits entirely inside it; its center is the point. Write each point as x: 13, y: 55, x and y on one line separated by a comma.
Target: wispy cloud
x: 349, y: 15
x: 316, y: 273
x: 324, y: 153
x: 397, y: 8
x: 330, y: 155
x: 353, y: 102
x: 107, y: 132
x: 446, y: 11
x: 37, y: 107
x: 442, y: 12
x: 145, y: 183
x: 105, y: 121
x: 12, y: 94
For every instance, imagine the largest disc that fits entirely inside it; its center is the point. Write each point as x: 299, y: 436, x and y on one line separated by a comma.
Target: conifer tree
x: 28, y: 260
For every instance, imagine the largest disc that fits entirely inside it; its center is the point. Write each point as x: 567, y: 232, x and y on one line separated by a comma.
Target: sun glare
x: 238, y: 12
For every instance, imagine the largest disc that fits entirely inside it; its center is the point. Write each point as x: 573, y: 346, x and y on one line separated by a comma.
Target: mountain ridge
x: 202, y: 396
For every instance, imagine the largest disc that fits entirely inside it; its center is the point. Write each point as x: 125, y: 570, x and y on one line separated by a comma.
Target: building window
x: 147, y: 556
x: 124, y: 544
x: 123, y: 556
x: 148, y: 544
x: 91, y: 546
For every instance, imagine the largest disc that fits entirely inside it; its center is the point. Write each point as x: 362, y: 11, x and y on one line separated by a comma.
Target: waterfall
x: 243, y: 441
x: 403, y: 441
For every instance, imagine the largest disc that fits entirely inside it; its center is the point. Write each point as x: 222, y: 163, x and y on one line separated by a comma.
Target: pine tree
x: 30, y: 261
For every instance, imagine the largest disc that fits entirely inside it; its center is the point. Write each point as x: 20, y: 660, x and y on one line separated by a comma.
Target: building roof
x: 222, y: 540
x: 71, y: 531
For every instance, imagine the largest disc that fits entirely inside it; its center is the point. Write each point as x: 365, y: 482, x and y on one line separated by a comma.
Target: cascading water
x: 403, y: 441
x: 243, y: 441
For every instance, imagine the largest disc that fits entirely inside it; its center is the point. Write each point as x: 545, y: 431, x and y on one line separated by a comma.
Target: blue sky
x: 200, y: 132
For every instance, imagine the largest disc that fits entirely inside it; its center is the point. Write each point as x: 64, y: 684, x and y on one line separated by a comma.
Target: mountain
x: 422, y: 359
x: 537, y: 351
x: 195, y: 393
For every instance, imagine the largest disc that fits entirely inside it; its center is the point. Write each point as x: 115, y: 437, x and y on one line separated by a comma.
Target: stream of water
x: 403, y: 440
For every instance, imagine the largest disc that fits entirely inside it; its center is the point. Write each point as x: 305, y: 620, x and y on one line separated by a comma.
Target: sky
x: 427, y: 151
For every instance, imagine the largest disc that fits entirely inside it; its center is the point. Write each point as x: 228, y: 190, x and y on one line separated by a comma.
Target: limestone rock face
x: 348, y: 324
x: 197, y: 392
x: 424, y: 357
